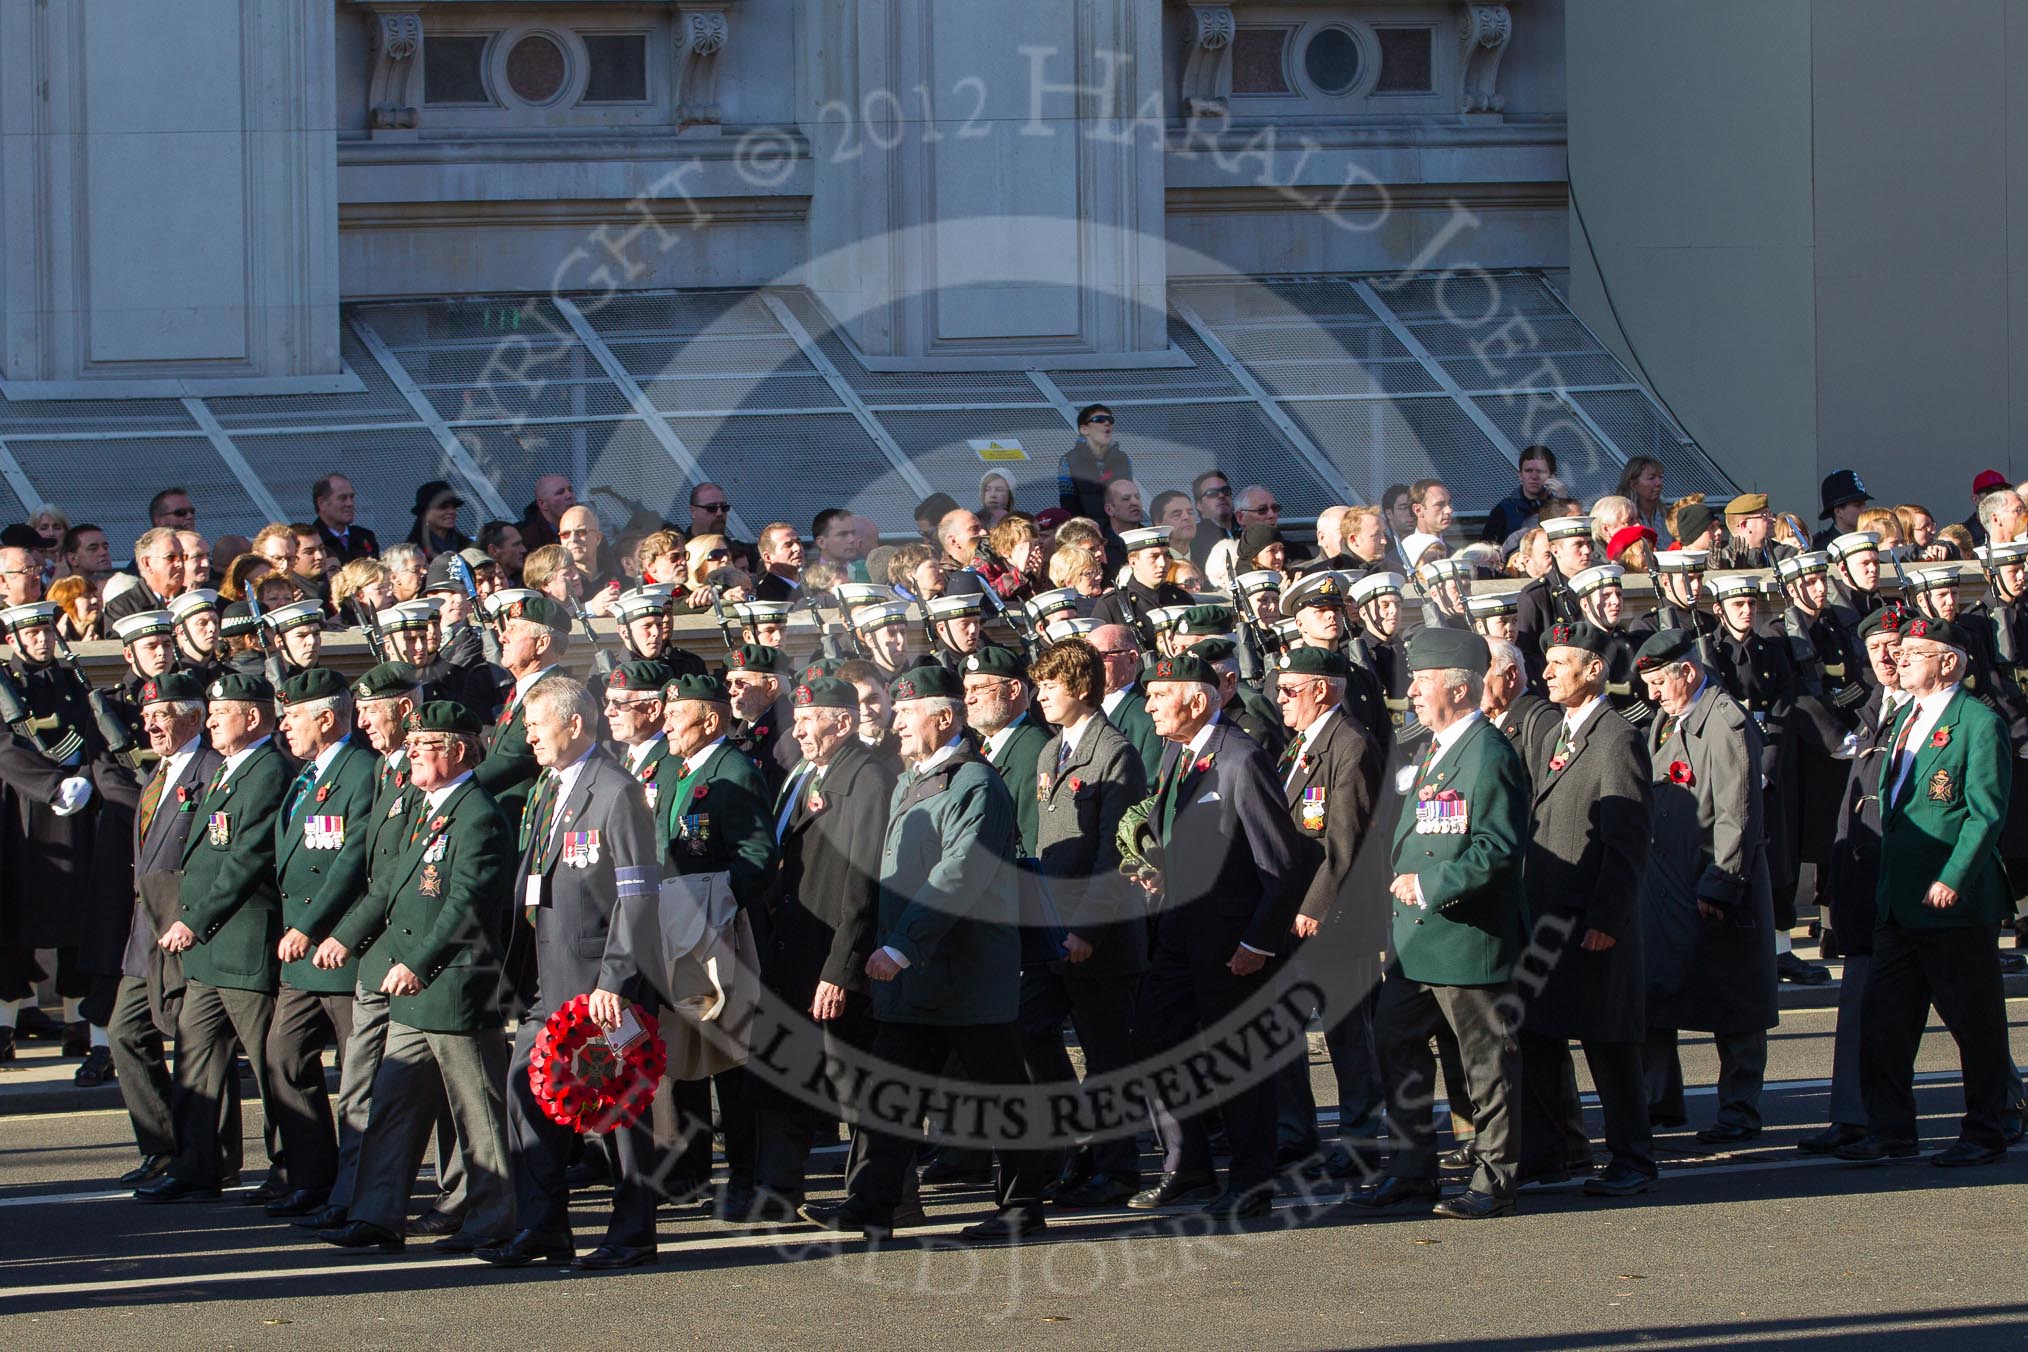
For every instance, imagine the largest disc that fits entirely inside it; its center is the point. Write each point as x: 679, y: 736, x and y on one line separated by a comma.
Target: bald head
x: 577, y: 530
x: 553, y: 497
x: 1330, y: 529
x: 960, y: 533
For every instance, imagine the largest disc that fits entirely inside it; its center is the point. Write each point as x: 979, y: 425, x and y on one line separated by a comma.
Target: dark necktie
x: 151, y: 796
x: 1900, y: 749
x: 1062, y: 755
x: 304, y: 780
x: 535, y: 818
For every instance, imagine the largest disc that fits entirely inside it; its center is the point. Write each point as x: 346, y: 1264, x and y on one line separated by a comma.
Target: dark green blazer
x: 319, y: 885
x: 653, y: 773
x: 392, y: 817
x: 1131, y: 717
x: 228, y: 893
x: 719, y: 820
x: 1474, y: 917
x: 508, y: 771
x: 1944, y: 825
x: 1017, y: 761
x: 450, y: 900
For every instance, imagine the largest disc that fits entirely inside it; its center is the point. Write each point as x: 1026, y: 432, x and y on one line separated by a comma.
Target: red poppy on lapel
x: 1679, y: 773
x: 1558, y: 762
x: 182, y: 793
x: 697, y: 795
x: 1941, y: 737
x: 1203, y: 764
x: 816, y: 802
x: 1306, y: 763
x: 323, y: 792
x: 1076, y: 784
x: 401, y: 779
x: 439, y: 823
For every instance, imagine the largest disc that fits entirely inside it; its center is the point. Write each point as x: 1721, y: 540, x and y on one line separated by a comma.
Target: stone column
x: 988, y: 179
x: 168, y: 197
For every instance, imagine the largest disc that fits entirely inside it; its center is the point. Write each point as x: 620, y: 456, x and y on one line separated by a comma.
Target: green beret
x: 1664, y: 647
x: 536, y: 610
x: 993, y: 660
x: 827, y: 692
x: 758, y: 657
x: 389, y: 680
x: 1437, y: 649
x: 171, y: 687
x: 306, y: 687
x: 1308, y: 661
x: 1889, y: 618
x: 1207, y: 620
x: 642, y: 676
x: 1183, y: 667
x: 934, y: 681
x: 704, y: 689
x: 1214, y: 649
x: 443, y: 715
x: 1937, y: 631
x: 242, y: 687
x: 1584, y: 634
x: 821, y: 666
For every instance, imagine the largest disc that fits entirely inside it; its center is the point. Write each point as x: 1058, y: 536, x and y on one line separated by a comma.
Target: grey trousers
x: 1742, y: 1066
x: 212, y: 1020
x: 142, y: 1067
x: 363, y: 1046
x: 1407, y: 1016
x: 421, y: 1073
x: 1848, y: 1105
x: 305, y: 1023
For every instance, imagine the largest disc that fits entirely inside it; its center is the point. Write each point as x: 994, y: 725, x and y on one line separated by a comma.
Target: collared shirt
x: 566, y: 780
x: 695, y: 759
x: 237, y: 759
x: 435, y: 797
x: 326, y: 756
x: 173, y: 765
x: 1575, y: 719
x: 1001, y: 738
x: 637, y: 755
x: 1928, y: 709
x: 1305, y: 741
x: 1440, y: 746
x: 1112, y: 702
x: 1074, y: 733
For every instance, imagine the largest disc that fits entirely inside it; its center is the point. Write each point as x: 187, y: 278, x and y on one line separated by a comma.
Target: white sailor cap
x: 407, y: 615
x: 1145, y: 537
x: 955, y: 607
x: 870, y: 618
x: 1566, y: 527
x: 852, y: 595
x: 141, y: 624
x: 1588, y: 580
x: 1682, y: 560
x: 1257, y: 581
x: 1165, y: 619
x: 295, y: 615
x: 1852, y: 543
x: 507, y: 596
x: 1485, y: 605
x: 1373, y: 586
x: 1725, y: 586
x: 1059, y: 630
x: 1053, y: 602
x: 185, y: 604
x: 1801, y: 565
x: 652, y: 599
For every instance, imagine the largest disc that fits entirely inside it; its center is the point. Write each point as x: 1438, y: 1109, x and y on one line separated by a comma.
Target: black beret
x: 1889, y: 618
x: 1937, y: 631
x: 1254, y: 539
x: 827, y: 692
x: 1692, y: 520
x: 171, y: 686
x: 21, y: 536
x: 1207, y: 620
x: 1437, y: 649
x: 443, y: 715
x: 242, y: 687
x: 389, y: 680
x: 1308, y: 661
x: 1669, y: 645
x: 1183, y: 667
x: 758, y: 657
x: 704, y: 689
x: 1584, y: 634
x: 934, y: 681
x: 308, y: 686
x: 993, y: 660
x: 640, y: 676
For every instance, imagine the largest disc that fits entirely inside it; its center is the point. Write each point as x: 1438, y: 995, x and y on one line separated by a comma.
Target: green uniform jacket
x: 319, y: 885
x: 1131, y: 717
x: 1944, y: 825
x: 450, y: 900
x: 1017, y: 762
x: 718, y: 819
x: 229, y: 895
x: 651, y: 772
x: 392, y: 818
x: 509, y: 769
x: 1474, y: 916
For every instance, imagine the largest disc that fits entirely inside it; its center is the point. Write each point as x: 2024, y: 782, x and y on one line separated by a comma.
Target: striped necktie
x: 306, y: 778
x: 151, y: 796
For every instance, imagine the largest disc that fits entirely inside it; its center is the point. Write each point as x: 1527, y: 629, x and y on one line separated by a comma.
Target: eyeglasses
x: 1220, y: 491
x: 710, y: 506
x: 179, y: 511
x: 1105, y: 418
x: 1118, y: 652
x: 719, y: 554
x: 1265, y: 509
x: 630, y: 703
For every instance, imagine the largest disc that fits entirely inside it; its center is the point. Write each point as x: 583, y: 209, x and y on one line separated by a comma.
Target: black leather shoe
x: 327, y: 1218
x: 169, y: 1188
x: 268, y: 1191
x: 1174, y: 1190
x: 1394, y: 1192
x: 734, y: 1204
x: 1247, y: 1205
x: 1831, y: 1138
x: 96, y: 1070
x: 7, y: 1052
x: 1342, y: 1163
x: 850, y: 1215
x: 1542, y: 1178
x: 2013, y: 962
x: 1458, y: 1157
x: 1005, y: 1227
x: 907, y: 1216
x: 2016, y: 1128
x: 148, y: 1170
x: 1098, y: 1190
x: 1074, y: 1176
x: 1964, y: 1154
x: 587, y: 1173
x: 1473, y: 1205
x: 461, y: 1242
x: 529, y: 1246
x: 683, y: 1192
x: 941, y: 1174
x: 32, y: 1022
x: 364, y: 1235
x: 1789, y: 967
x: 1619, y: 1180
x: 1727, y: 1133
x: 434, y: 1222
x: 1303, y: 1151
x: 301, y: 1202
x: 607, y: 1257
x: 1874, y: 1149
x: 765, y: 1206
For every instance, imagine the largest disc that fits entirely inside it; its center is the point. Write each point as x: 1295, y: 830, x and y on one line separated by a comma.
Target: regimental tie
x: 1895, y: 771
x: 535, y: 818
x: 151, y: 796
x: 1062, y: 756
x: 1559, y: 756
x: 304, y: 780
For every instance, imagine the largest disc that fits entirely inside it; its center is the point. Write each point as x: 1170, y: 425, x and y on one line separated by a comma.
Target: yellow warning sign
x: 994, y: 449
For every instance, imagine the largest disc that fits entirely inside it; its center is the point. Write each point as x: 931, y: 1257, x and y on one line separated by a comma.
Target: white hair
x: 942, y: 704
x: 181, y: 708
x: 1504, y: 654
x: 567, y: 696
x: 341, y: 705
x: 1453, y: 677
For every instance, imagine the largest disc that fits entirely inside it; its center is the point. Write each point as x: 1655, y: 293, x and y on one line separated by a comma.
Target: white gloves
x: 71, y: 795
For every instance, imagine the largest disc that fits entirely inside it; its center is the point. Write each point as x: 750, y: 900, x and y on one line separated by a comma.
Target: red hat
x: 1626, y: 536
x: 1049, y: 518
x: 1988, y: 480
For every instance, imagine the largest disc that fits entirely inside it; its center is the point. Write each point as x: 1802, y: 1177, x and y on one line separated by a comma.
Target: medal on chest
x: 580, y: 849
x: 323, y: 833
x: 1313, y: 809
x: 649, y: 788
x: 694, y: 830
x: 1941, y: 790
x: 394, y: 808
x: 431, y: 883
x: 220, y: 832
x: 433, y: 853
x: 1441, y: 812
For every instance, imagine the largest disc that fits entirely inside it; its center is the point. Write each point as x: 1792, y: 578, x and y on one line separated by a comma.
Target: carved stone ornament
x: 700, y: 38
x: 1207, y: 67
x: 396, y: 87
x: 1483, y: 33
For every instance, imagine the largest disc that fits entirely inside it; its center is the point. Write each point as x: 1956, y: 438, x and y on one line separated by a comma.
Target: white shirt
x: 637, y: 755
x: 238, y: 758
x: 1442, y: 742
x: 1928, y: 708
x: 435, y: 797
x: 521, y: 684
x: 1000, y: 738
x: 1074, y: 734
x: 1305, y: 741
x: 1575, y: 719
x: 326, y: 756
x: 172, y: 768
x: 1112, y: 702
x: 697, y: 758
x: 566, y: 780
x: 938, y: 757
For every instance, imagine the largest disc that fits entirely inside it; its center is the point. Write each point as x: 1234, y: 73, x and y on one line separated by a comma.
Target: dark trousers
x: 1101, y: 1009
x: 1177, y: 999
x: 1742, y: 1066
x: 692, y: 1102
x: 1848, y: 1105
x: 1958, y: 971
x: 304, y: 1024
x: 1552, y: 1114
x: 991, y: 1052
x: 1355, y: 1064
x: 1408, y: 1015
x: 540, y: 1149
x: 788, y: 1128
x: 143, y: 1069
x: 212, y: 1021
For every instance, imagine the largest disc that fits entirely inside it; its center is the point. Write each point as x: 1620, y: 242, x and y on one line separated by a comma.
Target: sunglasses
x: 719, y: 554
x: 1105, y: 418
x: 1222, y: 491
x: 710, y: 506
x: 1264, y: 507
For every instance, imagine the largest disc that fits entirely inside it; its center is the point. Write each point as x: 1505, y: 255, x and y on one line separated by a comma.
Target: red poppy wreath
x: 582, y: 1082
